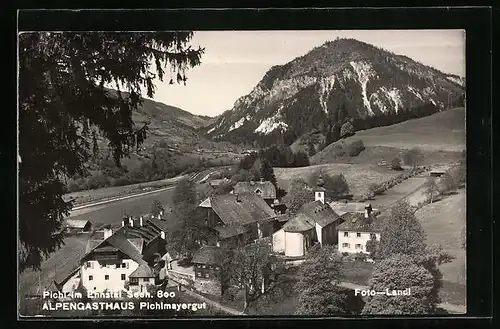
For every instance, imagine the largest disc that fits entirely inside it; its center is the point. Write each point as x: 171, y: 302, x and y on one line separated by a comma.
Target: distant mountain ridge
x: 344, y: 75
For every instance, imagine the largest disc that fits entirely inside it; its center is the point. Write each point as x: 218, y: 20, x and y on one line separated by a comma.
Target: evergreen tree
x: 63, y: 105
x: 267, y: 172
x: 301, y: 159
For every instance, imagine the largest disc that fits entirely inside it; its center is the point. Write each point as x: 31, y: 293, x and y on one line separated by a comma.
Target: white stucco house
x: 357, y: 229
x: 111, y: 259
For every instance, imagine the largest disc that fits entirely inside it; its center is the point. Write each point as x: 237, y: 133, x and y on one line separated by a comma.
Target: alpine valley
x: 336, y: 81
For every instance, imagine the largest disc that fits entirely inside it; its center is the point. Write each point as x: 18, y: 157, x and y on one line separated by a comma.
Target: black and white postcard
x: 179, y: 174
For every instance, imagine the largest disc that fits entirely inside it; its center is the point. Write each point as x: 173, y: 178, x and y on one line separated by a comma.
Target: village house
x: 315, y: 222
x: 209, y: 277
x: 111, y: 259
x: 75, y: 226
x: 265, y: 189
x: 357, y: 229
x: 238, y: 218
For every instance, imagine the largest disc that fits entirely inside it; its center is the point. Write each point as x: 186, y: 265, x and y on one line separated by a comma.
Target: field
x: 441, y: 137
x: 443, y: 221
x: 358, y: 176
x: 441, y: 131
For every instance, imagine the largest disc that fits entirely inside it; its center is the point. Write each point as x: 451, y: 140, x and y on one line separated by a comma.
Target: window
x: 89, y: 264
x: 346, y: 245
x: 373, y: 236
x: 198, y: 273
x: 123, y: 277
x: 203, y: 266
x: 106, y: 277
x: 217, y: 268
x: 358, y: 246
x: 206, y: 275
x: 346, y: 234
x: 91, y: 277
x: 358, y: 235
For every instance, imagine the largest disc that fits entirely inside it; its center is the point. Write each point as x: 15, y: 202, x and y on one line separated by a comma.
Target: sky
x: 235, y: 61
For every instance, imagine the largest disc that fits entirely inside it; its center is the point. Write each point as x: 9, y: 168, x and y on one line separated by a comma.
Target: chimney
x: 107, y: 232
x: 238, y: 198
x: 140, y: 221
x: 368, y: 210
x: 162, y: 234
x: 262, y: 180
x: 124, y: 220
x: 131, y: 221
x: 252, y: 182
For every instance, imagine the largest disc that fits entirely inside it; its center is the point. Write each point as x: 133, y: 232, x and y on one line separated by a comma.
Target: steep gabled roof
x: 161, y: 224
x: 265, y: 189
x: 121, y: 243
x: 143, y: 271
x: 241, y: 209
x: 230, y: 230
x: 299, y: 223
x: 208, y: 255
x: 357, y: 222
x: 320, y: 213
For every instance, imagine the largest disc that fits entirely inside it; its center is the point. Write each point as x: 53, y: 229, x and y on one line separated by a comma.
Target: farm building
x: 239, y: 217
x: 265, y: 189
x: 77, y: 226
x: 437, y: 173
x: 207, y: 268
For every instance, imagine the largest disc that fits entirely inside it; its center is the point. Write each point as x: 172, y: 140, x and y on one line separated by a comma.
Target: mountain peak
x: 343, y: 77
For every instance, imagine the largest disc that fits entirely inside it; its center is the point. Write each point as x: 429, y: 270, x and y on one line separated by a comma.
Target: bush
x: 448, y: 184
x: 396, y: 164
x: 360, y: 256
x: 346, y: 130
x: 376, y: 189
x: 413, y: 157
x: 355, y: 148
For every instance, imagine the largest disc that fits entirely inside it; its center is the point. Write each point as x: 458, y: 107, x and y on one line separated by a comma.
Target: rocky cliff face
x: 344, y: 75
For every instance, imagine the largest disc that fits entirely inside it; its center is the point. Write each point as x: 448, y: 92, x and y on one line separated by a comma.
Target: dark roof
x: 129, y: 247
x: 283, y: 217
x: 299, y: 223
x: 319, y: 212
x: 161, y: 224
x: 143, y: 271
x: 358, y: 222
x: 147, y: 232
x: 264, y: 189
x: 230, y: 230
x: 64, y: 270
x: 208, y: 255
x: 241, y: 209
x: 77, y: 223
